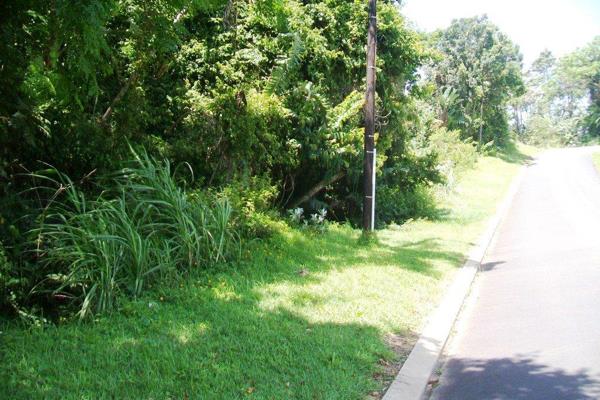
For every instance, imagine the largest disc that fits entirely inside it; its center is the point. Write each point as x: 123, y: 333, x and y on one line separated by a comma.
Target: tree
x: 562, y: 99
x: 583, y: 65
x: 538, y: 79
x: 483, y: 67
x: 236, y: 88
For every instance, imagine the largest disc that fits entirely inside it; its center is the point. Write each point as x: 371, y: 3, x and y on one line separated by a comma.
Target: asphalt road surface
x: 531, y: 326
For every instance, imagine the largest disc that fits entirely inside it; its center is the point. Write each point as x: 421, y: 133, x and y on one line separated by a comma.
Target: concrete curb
x: 411, y: 382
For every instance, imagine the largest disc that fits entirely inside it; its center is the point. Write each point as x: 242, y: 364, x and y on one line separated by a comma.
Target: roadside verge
x: 411, y: 382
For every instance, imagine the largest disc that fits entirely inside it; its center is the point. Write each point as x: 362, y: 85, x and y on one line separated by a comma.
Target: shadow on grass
x: 198, y: 349
x: 339, y: 249
x: 211, y: 338
x: 511, y: 154
x: 514, y: 379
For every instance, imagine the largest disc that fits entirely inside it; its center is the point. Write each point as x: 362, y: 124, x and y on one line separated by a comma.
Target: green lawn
x: 304, y: 316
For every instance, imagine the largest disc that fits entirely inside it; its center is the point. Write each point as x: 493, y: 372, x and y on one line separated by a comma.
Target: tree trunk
x: 118, y: 98
x: 317, y: 188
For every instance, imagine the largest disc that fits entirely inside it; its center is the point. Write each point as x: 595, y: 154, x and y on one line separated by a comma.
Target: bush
x: 15, y: 284
x: 6, y: 270
x: 547, y: 132
x: 454, y: 155
x: 442, y: 156
x: 395, y: 205
x: 14, y: 287
x: 118, y: 243
x: 252, y: 198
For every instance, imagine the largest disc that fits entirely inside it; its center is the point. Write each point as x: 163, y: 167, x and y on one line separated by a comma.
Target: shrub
x: 548, y: 132
x: 118, y: 243
x: 5, y: 276
x: 415, y: 199
x: 395, y: 205
x: 454, y: 154
x: 252, y: 198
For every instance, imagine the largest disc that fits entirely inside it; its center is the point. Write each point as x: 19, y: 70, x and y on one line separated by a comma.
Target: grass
x: 118, y: 243
x: 303, y: 316
x: 596, y: 158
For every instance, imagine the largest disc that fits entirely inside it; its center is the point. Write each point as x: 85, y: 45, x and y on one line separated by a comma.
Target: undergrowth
x: 144, y: 229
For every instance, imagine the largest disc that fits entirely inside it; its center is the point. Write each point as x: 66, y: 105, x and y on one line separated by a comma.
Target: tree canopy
x: 268, y: 87
x: 561, y: 105
x: 259, y: 101
x: 482, y: 68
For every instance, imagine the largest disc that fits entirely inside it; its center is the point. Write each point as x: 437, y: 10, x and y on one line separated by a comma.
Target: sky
x: 558, y: 25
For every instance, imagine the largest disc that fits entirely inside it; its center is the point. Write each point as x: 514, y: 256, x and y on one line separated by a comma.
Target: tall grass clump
x: 144, y: 228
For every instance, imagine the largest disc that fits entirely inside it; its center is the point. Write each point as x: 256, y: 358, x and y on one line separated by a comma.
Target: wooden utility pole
x: 480, y: 125
x: 370, y: 152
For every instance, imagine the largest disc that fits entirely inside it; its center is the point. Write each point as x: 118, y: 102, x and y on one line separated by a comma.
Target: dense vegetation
x: 196, y: 166
x: 269, y: 88
x: 477, y: 72
x: 260, y: 99
x: 142, y: 141
x: 562, y: 103
x: 310, y: 315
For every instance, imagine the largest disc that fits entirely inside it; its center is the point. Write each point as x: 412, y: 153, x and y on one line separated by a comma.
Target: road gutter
x: 411, y: 382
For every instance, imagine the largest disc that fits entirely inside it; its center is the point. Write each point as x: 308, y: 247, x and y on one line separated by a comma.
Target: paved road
x: 531, y: 327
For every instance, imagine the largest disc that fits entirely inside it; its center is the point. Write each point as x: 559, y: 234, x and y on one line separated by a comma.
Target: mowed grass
x: 596, y: 158
x: 303, y: 316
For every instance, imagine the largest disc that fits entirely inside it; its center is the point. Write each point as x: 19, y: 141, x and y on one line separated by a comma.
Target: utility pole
x: 370, y: 151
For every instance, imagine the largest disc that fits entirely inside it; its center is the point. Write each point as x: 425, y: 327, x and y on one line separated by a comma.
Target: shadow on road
x: 490, y: 265
x: 510, y: 378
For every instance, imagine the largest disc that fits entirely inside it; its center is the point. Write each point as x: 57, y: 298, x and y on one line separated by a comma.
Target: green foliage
x: 397, y: 206
x: 545, y: 131
x: 482, y: 67
x: 562, y: 104
x: 584, y: 65
x: 6, y: 271
x: 262, y: 99
x: 303, y: 317
x: 447, y: 154
x: 95, y: 251
x: 17, y: 273
x: 455, y: 156
x: 252, y: 200
x: 271, y: 88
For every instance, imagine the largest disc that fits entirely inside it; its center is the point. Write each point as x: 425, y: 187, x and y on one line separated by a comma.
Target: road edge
x: 411, y: 382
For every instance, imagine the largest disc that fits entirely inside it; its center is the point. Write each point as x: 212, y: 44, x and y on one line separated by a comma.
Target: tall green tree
x: 483, y: 67
x: 234, y: 87
x: 580, y: 72
x: 562, y: 99
x: 538, y: 79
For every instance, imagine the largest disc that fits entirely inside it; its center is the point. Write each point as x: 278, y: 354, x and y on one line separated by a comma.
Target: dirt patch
x: 401, y: 344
